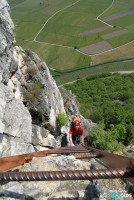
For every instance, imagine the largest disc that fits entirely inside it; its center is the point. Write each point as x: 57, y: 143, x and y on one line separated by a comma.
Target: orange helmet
x: 76, y: 122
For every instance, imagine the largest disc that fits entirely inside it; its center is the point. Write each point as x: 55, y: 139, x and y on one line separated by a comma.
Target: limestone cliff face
x: 29, y: 97
x: 7, y: 63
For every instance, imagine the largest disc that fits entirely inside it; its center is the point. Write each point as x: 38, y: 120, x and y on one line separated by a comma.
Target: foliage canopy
x: 108, y: 97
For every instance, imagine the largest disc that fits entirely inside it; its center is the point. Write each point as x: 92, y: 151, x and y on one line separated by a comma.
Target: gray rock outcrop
x: 7, y: 40
x: 15, y: 124
x: 51, y: 190
x: 29, y: 97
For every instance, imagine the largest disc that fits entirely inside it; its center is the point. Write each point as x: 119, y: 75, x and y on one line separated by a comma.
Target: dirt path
x: 124, y: 72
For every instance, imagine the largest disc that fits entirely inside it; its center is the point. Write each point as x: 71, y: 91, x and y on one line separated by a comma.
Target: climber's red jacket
x: 74, y: 131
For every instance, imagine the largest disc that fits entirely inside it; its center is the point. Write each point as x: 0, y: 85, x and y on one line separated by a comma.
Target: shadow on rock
x: 15, y: 195
x: 92, y: 191
x: 64, y: 141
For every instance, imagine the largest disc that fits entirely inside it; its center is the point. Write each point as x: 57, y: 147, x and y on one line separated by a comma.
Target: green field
x: 70, y: 18
x: 59, y: 58
x: 119, y: 6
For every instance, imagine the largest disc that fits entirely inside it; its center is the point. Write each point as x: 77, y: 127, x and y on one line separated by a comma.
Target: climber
x: 76, y: 133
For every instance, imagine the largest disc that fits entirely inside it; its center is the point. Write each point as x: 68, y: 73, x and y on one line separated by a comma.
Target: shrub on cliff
x: 61, y: 120
x: 34, y: 90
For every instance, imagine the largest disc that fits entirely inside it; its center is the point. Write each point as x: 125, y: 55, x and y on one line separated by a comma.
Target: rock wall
x: 15, y: 124
x: 29, y: 97
x: 7, y: 40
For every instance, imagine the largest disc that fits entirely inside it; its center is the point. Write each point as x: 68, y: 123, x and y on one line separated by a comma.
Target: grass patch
x: 130, y: 28
x: 34, y: 90
x: 123, y: 21
x: 26, y: 30
x: 31, y: 70
x: 121, y: 40
x: 54, y: 73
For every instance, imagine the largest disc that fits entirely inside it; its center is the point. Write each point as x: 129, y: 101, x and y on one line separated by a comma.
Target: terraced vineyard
x: 72, y: 34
